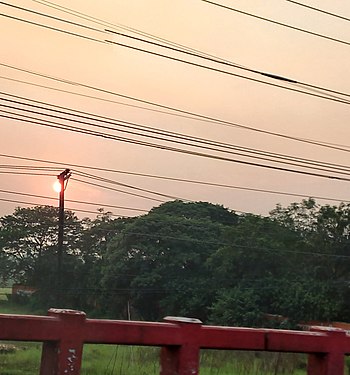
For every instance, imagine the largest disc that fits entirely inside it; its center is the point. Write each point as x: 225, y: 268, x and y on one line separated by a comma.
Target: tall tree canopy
x: 322, y: 267
x: 28, y: 238
x: 159, y: 262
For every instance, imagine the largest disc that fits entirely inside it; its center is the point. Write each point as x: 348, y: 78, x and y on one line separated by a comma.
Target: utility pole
x: 62, y: 179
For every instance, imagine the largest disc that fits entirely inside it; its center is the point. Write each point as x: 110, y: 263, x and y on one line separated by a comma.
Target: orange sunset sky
x: 73, y: 63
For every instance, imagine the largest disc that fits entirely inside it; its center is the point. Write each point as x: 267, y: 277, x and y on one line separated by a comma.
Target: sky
x: 74, y: 64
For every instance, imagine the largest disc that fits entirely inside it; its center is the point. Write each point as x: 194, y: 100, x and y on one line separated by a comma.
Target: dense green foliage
x: 188, y: 259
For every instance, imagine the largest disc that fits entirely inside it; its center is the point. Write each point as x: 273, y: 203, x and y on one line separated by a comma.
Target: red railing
x: 64, y: 332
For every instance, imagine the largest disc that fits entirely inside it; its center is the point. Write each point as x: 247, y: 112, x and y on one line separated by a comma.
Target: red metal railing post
x: 182, y: 359
x: 64, y: 356
x: 332, y: 362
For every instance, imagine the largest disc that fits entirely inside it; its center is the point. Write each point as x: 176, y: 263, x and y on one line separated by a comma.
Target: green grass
x: 127, y: 360
x: 8, y: 307
x: 24, y: 361
x: 227, y: 362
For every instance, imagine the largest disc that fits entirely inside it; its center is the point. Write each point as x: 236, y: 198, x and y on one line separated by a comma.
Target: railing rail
x: 64, y: 333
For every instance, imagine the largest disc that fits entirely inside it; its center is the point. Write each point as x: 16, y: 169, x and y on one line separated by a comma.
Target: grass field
x: 125, y: 360
x: 8, y: 307
x: 19, y: 358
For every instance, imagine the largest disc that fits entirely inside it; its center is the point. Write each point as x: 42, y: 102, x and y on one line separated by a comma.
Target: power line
x: 117, y: 190
x: 319, y: 10
x: 167, y: 178
x: 52, y: 28
x: 342, y: 168
x: 55, y: 125
x: 180, y: 136
x: 234, y: 65
x: 50, y: 16
x: 199, y: 116
x: 120, y: 26
x: 237, y: 245
x: 73, y: 201
x: 27, y: 167
x: 277, y: 23
x: 28, y: 173
x: 331, y: 98
x: 188, y: 225
x: 104, y: 100
x: 184, y: 49
x: 36, y: 204
x: 127, y: 28
x: 109, y: 181
x: 97, y: 204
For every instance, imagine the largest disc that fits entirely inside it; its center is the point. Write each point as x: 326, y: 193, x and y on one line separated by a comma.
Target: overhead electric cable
x: 193, y: 117
x: 276, y: 22
x: 179, y: 47
x: 168, y: 148
x: 154, y: 219
x: 52, y: 28
x: 29, y: 173
x: 281, y: 157
x: 163, y: 147
x: 203, y: 117
x: 28, y: 167
x: 38, y: 204
x: 331, y: 98
x: 109, y: 181
x: 118, y: 190
x: 236, y: 245
x: 73, y: 201
x: 166, y: 178
x: 234, y: 65
x: 118, y: 26
x: 319, y: 10
x: 52, y: 17
x: 180, y: 136
x: 110, y: 136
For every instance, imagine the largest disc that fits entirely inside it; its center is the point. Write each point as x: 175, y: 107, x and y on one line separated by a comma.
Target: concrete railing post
x: 64, y: 357
x: 183, y: 359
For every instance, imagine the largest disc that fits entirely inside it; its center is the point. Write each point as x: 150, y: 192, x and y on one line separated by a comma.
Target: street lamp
x: 61, y: 183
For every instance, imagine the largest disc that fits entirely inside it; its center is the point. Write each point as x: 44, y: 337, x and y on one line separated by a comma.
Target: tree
x: 325, y: 234
x: 323, y: 266
x: 96, y: 236
x: 198, y: 210
x: 258, y: 252
x: 237, y: 306
x: 305, y: 299
x: 158, y: 263
x: 28, y: 241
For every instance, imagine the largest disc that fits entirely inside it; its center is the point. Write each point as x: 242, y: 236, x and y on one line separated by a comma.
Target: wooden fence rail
x: 64, y: 333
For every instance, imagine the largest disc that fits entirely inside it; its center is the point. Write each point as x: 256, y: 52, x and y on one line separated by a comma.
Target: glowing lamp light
x: 57, y: 187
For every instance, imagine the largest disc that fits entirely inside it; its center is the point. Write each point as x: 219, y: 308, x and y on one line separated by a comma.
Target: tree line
x: 191, y: 259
